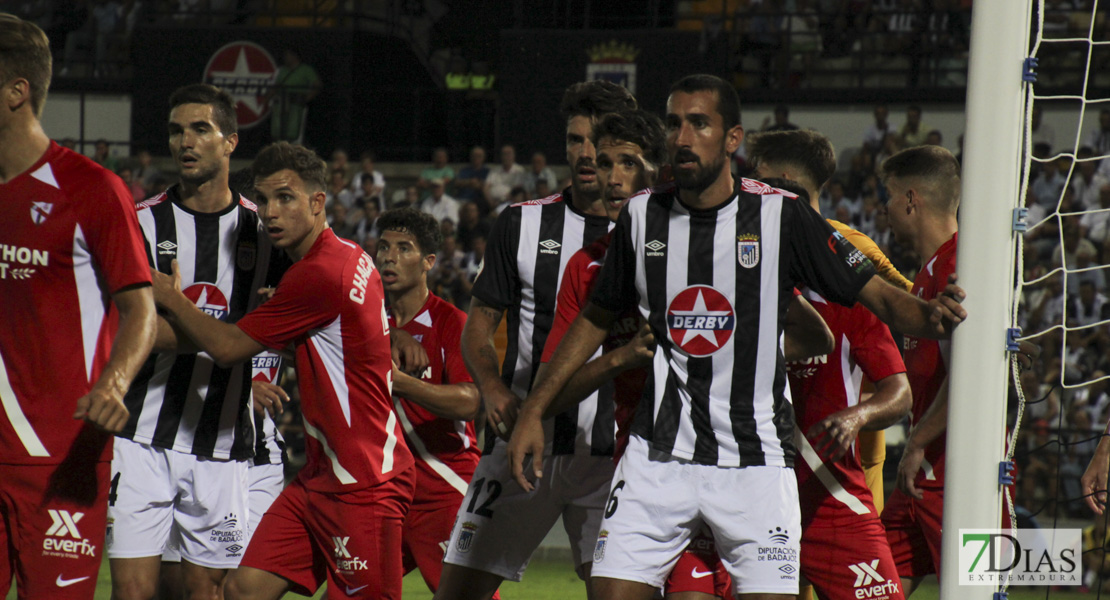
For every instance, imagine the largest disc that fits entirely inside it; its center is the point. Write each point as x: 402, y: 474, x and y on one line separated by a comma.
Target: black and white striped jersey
x: 527, y: 251
x: 184, y: 402
x: 269, y: 446
x: 714, y: 286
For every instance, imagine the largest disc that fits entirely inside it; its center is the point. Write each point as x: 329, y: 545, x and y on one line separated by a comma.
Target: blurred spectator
x: 914, y: 131
x: 1099, y: 139
x: 69, y: 143
x: 1039, y: 131
x: 875, y: 134
x: 469, y: 219
x: 1048, y: 304
x: 1066, y: 251
x: 411, y: 198
x: 1094, y: 226
x: 805, y: 40
x: 470, y: 184
x: 340, y: 161
x: 102, y: 23
x: 1087, y: 182
x: 543, y: 189
x: 145, y: 172
x: 337, y: 192
x: 891, y: 146
x: 1090, y: 306
x: 934, y: 138
x: 781, y: 120
x: 366, y: 230
x: 438, y: 170
x: 102, y: 155
x: 538, y: 172
x: 440, y: 205
x: 764, y: 39
x: 1096, y: 560
x: 295, y: 85
x: 517, y: 195
x: 127, y: 174
x: 504, y: 177
x: 1049, y: 185
x: 369, y: 183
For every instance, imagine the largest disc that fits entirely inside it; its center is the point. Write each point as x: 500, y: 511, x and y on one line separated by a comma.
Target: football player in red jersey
x: 78, y: 324
x: 436, y: 407
x: 923, y: 185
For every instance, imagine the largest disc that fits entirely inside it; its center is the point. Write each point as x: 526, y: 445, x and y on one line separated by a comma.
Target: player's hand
x: 640, y: 351
x: 268, y: 398
x: 1027, y: 353
x: 908, y: 468
x: 266, y: 293
x: 1093, y: 482
x: 833, y: 436
x: 946, y: 311
x: 102, y: 408
x: 165, y: 285
x: 502, y: 407
x: 527, y: 440
x: 407, y: 352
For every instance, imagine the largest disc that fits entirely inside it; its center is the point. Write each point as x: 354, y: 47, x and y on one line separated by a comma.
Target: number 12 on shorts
x: 493, y: 490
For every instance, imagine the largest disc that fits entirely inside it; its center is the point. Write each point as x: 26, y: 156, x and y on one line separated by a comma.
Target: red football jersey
x: 582, y: 271
x: 446, y: 451
x: 927, y: 360
x: 331, y: 305
x: 69, y: 239
x: 823, y: 385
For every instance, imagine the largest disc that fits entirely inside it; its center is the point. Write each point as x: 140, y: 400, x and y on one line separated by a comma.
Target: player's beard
x: 699, y: 179
x: 586, y: 191
x: 200, y: 175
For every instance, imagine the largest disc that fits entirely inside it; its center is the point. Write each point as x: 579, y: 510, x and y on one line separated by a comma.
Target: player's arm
x: 225, y: 343
x: 833, y: 436
x: 585, y: 335
x: 103, y: 405
x: 932, y: 425
x: 480, y: 355
x: 805, y: 333
x: 456, y: 401
x: 635, y: 354
x: 911, y: 315
x: 1094, y: 478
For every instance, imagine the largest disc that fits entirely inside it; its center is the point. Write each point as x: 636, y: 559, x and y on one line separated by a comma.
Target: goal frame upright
x: 979, y: 366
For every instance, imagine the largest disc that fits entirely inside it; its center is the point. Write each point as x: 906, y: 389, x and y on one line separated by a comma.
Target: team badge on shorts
x: 700, y: 320
x: 747, y: 250
x: 599, y: 549
x: 466, y: 537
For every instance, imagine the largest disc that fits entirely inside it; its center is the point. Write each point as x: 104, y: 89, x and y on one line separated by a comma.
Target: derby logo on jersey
x: 244, y: 258
x: 264, y: 367
x: 747, y: 250
x: 208, y: 298
x: 39, y: 211
x: 700, y: 320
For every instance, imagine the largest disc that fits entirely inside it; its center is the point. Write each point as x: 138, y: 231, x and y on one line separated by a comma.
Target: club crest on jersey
x: 700, y: 320
x: 39, y: 211
x: 244, y: 258
x: 208, y: 298
x: 747, y: 250
x: 466, y: 537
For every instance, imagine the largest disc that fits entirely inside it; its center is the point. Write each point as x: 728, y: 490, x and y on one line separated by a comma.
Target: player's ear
x: 232, y: 142
x: 317, y: 201
x: 733, y: 138
x: 429, y: 262
x: 17, y: 92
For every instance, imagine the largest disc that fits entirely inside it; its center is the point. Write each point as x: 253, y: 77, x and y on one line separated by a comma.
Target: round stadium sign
x: 246, y: 71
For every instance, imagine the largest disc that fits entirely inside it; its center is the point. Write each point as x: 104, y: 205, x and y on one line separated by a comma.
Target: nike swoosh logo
x: 68, y: 582
x: 352, y: 591
x: 698, y: 574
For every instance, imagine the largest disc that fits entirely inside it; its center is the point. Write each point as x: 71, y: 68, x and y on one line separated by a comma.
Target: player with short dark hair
x: 181, y: 470
x: 710, y: 263
x: 340, y: 519
x: 923, y: 185
x: 437, y: 406
x: 78, y: 323
x: 499, y: 525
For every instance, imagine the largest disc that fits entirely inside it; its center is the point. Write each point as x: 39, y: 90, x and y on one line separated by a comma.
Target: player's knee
x: 234, y: 588
x: 133, y: 588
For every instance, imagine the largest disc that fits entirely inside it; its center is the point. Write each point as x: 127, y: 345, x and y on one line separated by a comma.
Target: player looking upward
x: 923, y: 184
x: 713, y: 442
x: 437, y: 407
x: 340, y: 519
x: 78, y: 324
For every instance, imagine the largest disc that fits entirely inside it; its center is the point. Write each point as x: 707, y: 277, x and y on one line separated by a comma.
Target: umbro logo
x: 655, y: 248
x: 341, y: 546
x: 167, y: 247
x: 550, y: 247
x: 64, y: 522
x: 866, y: 574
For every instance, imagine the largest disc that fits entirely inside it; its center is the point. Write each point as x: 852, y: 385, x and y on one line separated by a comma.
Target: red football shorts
x: 850, y: 560
x: 699, y: 569
x: 352, y: 540
x: 52, y: 530
x: 913, y: 530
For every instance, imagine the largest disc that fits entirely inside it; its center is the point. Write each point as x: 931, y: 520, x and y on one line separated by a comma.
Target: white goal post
x: 992, y: 164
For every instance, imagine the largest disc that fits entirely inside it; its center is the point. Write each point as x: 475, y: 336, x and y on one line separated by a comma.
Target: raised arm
x: 103, y: 405
x: 911, y: 315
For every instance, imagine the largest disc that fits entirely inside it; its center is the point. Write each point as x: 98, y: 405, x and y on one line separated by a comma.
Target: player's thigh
x: 283, y: 546
x: 849, y: 560
x: 499, y: 525
x: 756, y: 523
x: 213, y: 512
x: 699, y: 574
x: 424, y: 539
x: 908, y: 545
x: 265, y: 483
x: 56, y: 539
x: 360, y: 535
x: 650, y: 515
x: 930, y: 515
x: 248, y: 583
x: 140, y: 500
x: 584, y: 483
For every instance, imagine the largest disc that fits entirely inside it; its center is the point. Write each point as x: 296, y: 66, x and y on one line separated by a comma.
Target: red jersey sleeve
x: 573, y: 293
x: 300, y: 304
x: 454, y: 369
x: 111, y: 228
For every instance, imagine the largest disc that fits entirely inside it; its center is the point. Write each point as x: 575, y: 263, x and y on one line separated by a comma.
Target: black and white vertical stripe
x: 185, y: 402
